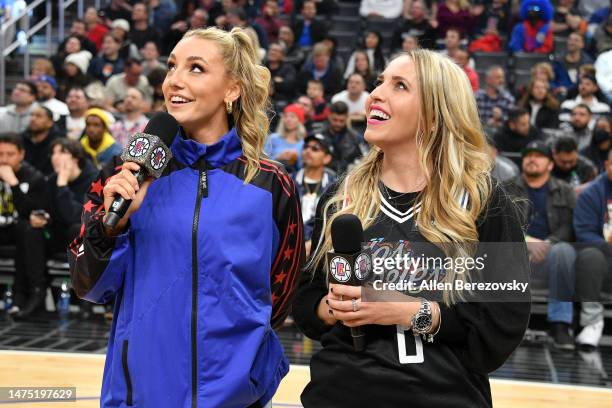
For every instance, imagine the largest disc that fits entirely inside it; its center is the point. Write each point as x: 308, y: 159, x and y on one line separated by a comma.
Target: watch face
x: 422, y: 322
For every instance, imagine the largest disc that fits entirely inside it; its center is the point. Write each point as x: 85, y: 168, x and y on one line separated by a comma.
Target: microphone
x: 148, y: 149
x: 348, y: 264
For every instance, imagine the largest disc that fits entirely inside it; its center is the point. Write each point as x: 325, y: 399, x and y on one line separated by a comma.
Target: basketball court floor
x: 49, y: 354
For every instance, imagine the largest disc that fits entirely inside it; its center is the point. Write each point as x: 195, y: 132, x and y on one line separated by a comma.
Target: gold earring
x: 228, y: 107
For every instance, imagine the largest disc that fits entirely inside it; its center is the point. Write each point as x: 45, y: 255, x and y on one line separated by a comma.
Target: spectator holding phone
x: 21, y: 187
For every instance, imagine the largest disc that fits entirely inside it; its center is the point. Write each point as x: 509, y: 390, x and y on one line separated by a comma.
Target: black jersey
x: 397, y: 368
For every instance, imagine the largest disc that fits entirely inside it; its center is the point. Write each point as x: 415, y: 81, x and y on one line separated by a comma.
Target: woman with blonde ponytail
x: 203, y: 265
x: 426, y: 179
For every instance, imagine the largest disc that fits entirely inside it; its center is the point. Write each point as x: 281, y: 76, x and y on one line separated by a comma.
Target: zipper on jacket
x: 202, y: 192
x: 126, y: 373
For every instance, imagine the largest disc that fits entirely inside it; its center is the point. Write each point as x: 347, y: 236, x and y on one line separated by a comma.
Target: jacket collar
x: 225, y: 150
x: 553, y: 183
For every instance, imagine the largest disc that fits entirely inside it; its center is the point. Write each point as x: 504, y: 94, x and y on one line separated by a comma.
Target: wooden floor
x: 84, y: 371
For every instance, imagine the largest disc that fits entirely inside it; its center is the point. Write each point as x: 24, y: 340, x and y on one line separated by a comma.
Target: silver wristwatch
x: 423, y: 320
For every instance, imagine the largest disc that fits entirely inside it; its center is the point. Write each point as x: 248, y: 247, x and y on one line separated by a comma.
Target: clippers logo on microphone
x: 139, y: 146
x: 340, y: 269
x: 363, y: 266
x: 158, y: 158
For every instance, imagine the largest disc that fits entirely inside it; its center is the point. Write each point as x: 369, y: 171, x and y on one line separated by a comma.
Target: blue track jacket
x: 200, y: 277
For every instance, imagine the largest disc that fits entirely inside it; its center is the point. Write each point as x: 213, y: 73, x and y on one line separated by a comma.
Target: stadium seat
x: 344, y: 38
x: 485, y: 60
x: 525, y: 61
x: 346, y: 23
x: 560, y: 47
x: 520, y: 78
x: 348, y: 9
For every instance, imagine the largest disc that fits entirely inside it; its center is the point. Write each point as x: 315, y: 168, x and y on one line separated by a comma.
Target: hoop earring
x: 228, y: 107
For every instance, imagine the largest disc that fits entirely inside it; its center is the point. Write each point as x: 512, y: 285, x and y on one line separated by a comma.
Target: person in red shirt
x: 462, y: 58
x: 316, y: 92
x: 95, y: 29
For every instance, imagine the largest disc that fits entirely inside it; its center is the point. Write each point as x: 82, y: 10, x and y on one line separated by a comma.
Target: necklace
x: 315, y: 189
x: 387, y: 192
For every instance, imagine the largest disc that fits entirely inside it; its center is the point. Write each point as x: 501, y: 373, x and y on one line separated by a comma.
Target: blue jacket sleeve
x: 587, y: 223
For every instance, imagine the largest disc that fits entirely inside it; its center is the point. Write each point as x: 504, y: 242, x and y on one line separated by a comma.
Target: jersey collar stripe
x: 394, y: 217
x: 399, y: 213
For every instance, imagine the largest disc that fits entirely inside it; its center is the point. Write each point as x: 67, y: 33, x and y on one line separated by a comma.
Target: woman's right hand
x: 124, y: 184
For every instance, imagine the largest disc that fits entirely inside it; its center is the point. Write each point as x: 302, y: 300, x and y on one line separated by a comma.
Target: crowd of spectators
x: 550, y: 135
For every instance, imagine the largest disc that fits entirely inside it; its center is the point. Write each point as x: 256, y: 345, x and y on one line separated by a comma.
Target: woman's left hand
x: 340, y: 301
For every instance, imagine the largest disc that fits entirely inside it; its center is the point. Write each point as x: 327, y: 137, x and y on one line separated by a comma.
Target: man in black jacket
x: 516, y: 134
x: 283, y: 75
x: 549, y: 209
x: 346, y: 146
x: 570, y: 166
x: 21, y: 191
x: 38, y: 137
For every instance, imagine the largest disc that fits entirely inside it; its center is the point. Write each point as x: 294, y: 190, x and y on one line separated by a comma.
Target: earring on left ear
x: 228, y: 107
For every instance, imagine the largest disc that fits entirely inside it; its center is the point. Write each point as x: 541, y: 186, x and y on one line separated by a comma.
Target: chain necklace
x: 387, y: 192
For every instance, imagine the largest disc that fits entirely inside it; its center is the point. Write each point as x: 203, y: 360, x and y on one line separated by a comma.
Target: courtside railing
x: 20, y: 23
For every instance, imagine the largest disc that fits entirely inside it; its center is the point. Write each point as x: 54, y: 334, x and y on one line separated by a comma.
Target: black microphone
x: 148, y: 149
x: 348, y: 264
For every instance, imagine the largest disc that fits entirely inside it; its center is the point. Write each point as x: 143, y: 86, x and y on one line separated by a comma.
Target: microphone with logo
x: 148, y: 149
x: 348, y: 264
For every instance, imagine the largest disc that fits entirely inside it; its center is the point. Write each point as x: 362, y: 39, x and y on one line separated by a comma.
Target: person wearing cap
x: 16, y: 116
x: 97, y: 141
x: 120, y: 29
x: 548, y: 205
x: 132, y: 77
x: 285, y: 145
x: 47, y: 90
x: 313, y: 178
x: 74, y: 74
x: 587, y: 95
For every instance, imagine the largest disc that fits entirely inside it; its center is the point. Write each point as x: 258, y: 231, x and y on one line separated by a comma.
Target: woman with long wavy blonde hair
x: 203, y: 265
x: 426, y: 179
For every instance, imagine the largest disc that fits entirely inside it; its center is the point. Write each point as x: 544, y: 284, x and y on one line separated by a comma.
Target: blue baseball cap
x: 48, y: 79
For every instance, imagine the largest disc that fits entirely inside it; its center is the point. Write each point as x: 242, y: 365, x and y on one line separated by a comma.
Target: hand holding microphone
x: 348, y: 267
x: 145, y: 157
